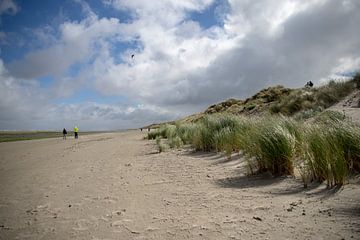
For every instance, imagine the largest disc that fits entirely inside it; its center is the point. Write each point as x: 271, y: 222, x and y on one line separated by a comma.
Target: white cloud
x: 172, y: 47
x: 25, y: 106
x: 8, y: 6
x: 263, y: 17
x: 261, y: 43
x: 346, y: 66
x: 17, y: 100
x: 77, y: 44
x: 180, y: 67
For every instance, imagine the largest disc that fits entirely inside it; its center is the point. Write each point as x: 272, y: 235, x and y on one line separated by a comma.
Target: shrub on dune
x: 225, y: 140
x: 276, y: 146
x: 329, y: 117
x: 152, y: 135
x: 186, y: 132
x: 220, y: 132
x: 160, y: 145
x: 332, y: 150
x: 327, y: 149
x: 175, y: 142
x: 202, y: 138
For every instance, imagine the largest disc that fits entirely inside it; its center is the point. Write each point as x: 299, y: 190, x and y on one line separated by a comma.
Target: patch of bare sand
x: 114, y: 186
x: 350, y: 106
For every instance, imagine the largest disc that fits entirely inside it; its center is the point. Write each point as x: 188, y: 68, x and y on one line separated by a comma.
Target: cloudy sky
x: 69, y: 62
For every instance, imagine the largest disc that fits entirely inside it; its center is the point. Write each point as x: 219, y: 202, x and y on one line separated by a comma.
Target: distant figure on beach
x: 76, y: 131
x: 140, y: 129
x: 309, y: 84
x: 148, y: 129
x: 64, y: 133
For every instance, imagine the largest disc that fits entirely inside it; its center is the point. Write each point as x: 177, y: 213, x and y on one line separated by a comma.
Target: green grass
x: 328, y: 149
x: 357, y: 80
x: 11, y: 136
x: 312, y: 100
x: 275, y: 141
x: 161, y: 146
x: 186, y: 132
x: 325, y: 148
x: 332, y: 152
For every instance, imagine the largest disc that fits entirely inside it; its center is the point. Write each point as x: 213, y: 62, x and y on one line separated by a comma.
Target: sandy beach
x: 116, y: 186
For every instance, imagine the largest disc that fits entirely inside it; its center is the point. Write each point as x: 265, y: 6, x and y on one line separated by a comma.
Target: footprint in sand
x: 106, y: 199
x: 82, y: 225
x: 124, y: 223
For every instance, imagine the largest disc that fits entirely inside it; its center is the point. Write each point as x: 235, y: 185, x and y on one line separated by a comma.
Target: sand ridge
x: 115, y: 186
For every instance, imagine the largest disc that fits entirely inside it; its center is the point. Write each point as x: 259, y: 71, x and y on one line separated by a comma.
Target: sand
x: 350, y: 106
x: 115, y: 186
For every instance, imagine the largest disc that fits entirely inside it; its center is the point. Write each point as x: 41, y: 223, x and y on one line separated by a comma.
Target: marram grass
x: 328, y: 149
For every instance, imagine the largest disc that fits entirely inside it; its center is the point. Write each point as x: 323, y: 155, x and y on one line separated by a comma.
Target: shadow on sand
x: 216, y: 158
x: 203, y: 155
x: 285, y: 185
x: 254, y: 181
x: 350, y: 211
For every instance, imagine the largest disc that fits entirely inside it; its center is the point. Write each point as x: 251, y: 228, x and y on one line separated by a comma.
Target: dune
x: 116, y: 186
x: 350, y: 106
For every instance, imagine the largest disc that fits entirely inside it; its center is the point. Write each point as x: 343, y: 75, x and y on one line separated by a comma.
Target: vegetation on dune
x: 328, y: 149
x: 357, y: 80
x: 301, y: 103
x: 324, y: 148
x: 332, y: 151
x: 258, y: 103
x: 312, y: 99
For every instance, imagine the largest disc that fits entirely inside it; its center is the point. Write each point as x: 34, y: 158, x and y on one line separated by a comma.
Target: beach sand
x: 116, y: 186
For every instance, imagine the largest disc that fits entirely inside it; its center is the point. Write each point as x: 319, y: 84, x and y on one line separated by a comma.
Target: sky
x: 69, y: 62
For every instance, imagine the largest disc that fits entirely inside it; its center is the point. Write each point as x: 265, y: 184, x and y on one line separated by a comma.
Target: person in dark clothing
x: 64, y: 133
x: 309, y: 84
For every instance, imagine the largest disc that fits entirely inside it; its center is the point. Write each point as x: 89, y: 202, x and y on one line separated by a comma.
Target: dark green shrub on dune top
x: 357, y: 80
x: 333, y: 92
x: 312, y: 99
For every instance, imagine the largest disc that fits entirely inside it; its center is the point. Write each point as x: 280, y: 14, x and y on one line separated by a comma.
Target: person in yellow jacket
x: 76, y: 131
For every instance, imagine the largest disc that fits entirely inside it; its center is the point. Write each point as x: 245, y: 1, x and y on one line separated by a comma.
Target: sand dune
x: 115, y: 186
x: 350, y: 106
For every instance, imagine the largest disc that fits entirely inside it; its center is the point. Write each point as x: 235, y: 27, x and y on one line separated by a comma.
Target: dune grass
x: 357, y: 80
x: 332, y: 151
x: 325, y: 148
x: 328, y: 149
x: 313, y: 100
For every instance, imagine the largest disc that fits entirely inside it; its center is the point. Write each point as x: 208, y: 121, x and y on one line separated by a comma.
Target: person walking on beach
x: 76, y: 131
x: 64, y: 134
